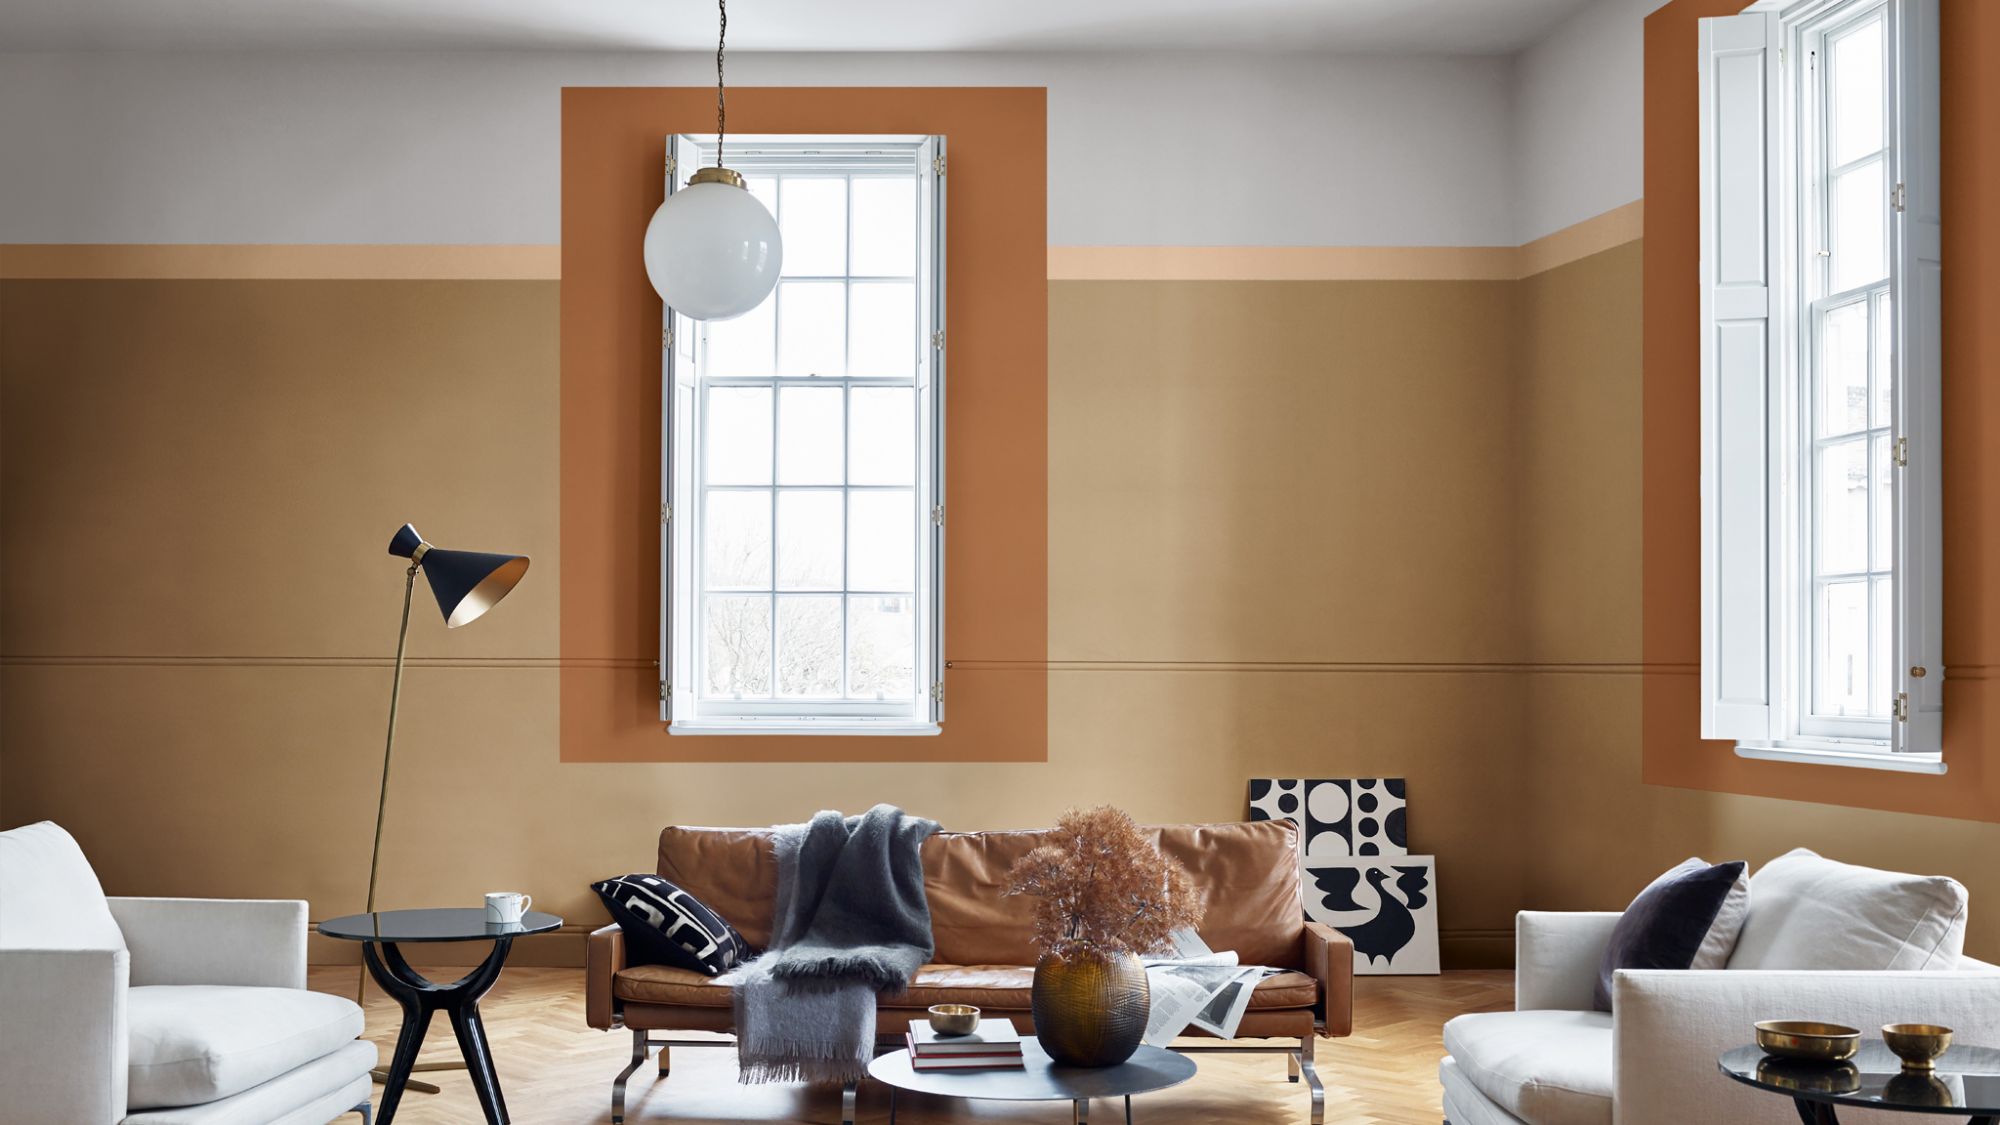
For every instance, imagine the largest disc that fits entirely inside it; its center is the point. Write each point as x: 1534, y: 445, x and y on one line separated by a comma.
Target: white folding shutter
x: 677, y: 421
x: 1917, y: 254
x: 1739, y: 103
x: 930, y: 417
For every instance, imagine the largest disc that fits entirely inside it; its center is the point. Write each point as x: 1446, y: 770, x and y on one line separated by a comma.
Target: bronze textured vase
x: 1090, y: 1010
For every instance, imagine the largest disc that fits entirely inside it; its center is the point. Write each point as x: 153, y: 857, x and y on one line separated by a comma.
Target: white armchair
x: 154, y: 1011
x: 1652, y: 1060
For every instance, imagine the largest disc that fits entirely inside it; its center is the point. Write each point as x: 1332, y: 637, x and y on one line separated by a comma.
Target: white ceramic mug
x: 505, y: 907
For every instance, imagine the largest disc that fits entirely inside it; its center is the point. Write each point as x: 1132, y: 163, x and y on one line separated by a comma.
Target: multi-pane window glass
x: 1850, y: 503
x: 814, y: 586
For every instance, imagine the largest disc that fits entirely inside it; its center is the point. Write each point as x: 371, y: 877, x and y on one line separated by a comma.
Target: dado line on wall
x: 272, y: 262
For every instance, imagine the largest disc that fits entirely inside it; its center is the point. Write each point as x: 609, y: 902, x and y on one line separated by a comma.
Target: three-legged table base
x: 459, y: 1000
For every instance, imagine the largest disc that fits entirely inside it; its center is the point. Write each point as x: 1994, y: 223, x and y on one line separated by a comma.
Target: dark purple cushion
x: 1671, y: 921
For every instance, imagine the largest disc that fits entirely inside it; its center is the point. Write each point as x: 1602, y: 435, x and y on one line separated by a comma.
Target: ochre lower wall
x: 1280, y: 534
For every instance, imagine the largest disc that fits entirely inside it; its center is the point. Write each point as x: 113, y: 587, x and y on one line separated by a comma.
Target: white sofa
x: 1652, y: 1059
x: 161, y: 1011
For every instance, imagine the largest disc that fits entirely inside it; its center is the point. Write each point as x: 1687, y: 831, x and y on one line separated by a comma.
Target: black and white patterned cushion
x: 665, y: 925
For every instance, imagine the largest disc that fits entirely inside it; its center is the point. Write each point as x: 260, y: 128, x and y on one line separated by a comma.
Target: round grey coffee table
x: 1039, y: 1079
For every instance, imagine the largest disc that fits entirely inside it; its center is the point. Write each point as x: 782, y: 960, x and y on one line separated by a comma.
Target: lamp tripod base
x: 381, y: 1075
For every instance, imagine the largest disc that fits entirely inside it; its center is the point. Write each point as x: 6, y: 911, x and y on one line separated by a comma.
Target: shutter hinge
x: 666, y: 691
x: 1902, y: 706
x: 673, y: 165
x: 666, y: 513
x: 1896, y: 198
x: 937, y: 514
x: 937, y: 692
x: 937, y: 340
x: 667, y: 339
x: 937, y: 164
x: 1902, y: 452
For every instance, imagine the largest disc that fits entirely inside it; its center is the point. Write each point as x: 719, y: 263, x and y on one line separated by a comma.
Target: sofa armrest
x: 1556, y: 957
x: 255, y: 942
x: 63, y: 1044
x: 1670, y: 1026
x: 604, y: 955
x: 1330, y: 960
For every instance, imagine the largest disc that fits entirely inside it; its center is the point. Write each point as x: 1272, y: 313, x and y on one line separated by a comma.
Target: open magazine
x: 1194, y: 986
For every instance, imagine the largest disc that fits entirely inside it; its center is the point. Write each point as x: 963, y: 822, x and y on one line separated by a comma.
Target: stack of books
x: 993, y: 1044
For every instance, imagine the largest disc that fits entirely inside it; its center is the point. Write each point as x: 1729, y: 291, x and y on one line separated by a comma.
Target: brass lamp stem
x: 388, y: 748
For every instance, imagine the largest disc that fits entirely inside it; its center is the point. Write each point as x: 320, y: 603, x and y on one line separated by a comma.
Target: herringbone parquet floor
x: 556, y: 1071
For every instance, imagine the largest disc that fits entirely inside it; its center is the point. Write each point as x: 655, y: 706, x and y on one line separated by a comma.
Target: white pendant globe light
x: 712, y: 250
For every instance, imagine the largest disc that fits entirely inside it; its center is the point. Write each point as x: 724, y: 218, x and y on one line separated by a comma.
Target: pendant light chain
x: 721, y: 103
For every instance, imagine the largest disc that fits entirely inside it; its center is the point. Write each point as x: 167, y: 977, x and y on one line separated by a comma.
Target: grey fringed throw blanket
x: 851, y: 922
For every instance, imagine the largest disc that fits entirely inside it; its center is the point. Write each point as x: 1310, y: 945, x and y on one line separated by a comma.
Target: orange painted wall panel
x: 1674, y: 752
x: 996, y: 492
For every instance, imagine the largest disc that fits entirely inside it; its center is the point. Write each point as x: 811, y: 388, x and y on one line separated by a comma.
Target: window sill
x: 713, y: 727
x: 1834, y: 755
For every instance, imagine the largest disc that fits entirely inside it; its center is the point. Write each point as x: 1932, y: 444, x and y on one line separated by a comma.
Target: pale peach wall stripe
x: 1281, y: 263
x: 1595, y: 235
x: 1066, y: 263
x: 263, y: 261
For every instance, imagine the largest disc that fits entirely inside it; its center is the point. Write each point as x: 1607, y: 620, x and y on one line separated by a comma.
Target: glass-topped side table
x: 1966, y: 1082
x: 382, y: 932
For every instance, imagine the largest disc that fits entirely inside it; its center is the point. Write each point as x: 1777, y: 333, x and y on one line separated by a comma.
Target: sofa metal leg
x: 848, y: 1091
x: 1304, y: 1060
x: 639, y: 1046
x: 1292, y: 1066
x: 666, y: 1054
x: 367, y: 1112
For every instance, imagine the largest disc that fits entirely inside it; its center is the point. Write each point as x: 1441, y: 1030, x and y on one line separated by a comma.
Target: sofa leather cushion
x: 49, y: 896
x: 996, y: 988
x: 1247, y: 872
x: 1687, y: 918
x: 195, y: 1043
x: 1544, y: 1067
x: 665, y: 925
x: 1809, y: 912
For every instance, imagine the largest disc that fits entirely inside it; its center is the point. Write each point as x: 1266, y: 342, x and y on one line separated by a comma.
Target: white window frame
x: 683, y: 399
x: 1763, y: 288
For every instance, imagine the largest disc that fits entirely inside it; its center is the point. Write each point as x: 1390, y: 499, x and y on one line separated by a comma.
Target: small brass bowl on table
x: 1808, y: 1040
x: 954, y: 1019
x: 1917, y: 1044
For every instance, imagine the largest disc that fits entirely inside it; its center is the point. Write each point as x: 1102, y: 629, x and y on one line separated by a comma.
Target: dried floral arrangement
x: 1104, y: 889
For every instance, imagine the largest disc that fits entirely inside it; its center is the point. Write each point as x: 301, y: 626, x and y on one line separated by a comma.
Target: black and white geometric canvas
x: 1387, y: 907
x: 1338, y: 817
x: 1356, y: 871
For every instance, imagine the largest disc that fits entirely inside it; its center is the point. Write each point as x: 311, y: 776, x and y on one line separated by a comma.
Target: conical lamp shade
x: 466, y: 583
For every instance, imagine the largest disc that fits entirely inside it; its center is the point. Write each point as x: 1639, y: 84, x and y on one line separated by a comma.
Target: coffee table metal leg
x: 1079, y: 1113
x: 1128, y: 1109
x: 892, y: 1105
x: 847, y: 1097
x: 1815, y: 1113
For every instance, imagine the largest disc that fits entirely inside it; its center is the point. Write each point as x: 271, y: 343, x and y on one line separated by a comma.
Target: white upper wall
x: 1579, y: 118
x: 463, y: 147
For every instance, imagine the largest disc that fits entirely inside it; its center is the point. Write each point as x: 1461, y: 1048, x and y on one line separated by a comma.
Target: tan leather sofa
x: 1248, y: 874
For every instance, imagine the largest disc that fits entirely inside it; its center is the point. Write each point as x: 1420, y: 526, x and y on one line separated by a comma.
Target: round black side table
x: 1966, y: 1082
x: 381, y: 932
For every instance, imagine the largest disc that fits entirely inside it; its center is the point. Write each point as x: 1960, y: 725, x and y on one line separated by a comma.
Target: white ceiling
x: 1400, y: 26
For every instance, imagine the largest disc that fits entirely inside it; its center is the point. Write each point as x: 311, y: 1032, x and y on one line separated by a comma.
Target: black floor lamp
x: 467, y: 584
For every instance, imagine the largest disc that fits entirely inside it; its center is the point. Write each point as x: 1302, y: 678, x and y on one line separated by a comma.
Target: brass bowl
x: 954, y: 1019
x: 1917, y: 1044
x: 1809, y: 1040
x: 1810, y: 1077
